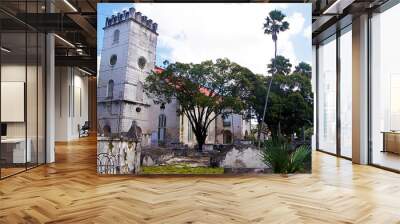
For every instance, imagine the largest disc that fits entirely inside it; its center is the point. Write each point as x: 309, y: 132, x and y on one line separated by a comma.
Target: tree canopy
x: 304, y: 69
x: 291, y: 99
x: 279, y: 65
x: 274, y: 23
x: 204, y: 91
x: 211, y: 89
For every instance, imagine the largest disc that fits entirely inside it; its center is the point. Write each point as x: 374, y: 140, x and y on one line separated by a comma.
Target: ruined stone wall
x: 116, y: 156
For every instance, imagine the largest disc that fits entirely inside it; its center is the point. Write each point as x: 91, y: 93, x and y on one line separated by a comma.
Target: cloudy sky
x: 198, y: 32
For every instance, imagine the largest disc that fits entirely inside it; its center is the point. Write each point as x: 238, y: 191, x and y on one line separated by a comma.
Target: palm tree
x: 274, y: 24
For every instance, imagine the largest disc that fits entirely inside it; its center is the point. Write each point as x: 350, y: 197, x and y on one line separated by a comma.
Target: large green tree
x: 291, y: 104
x: 290, y: 107
x: 304, y: 69
x: 274, y: 24
x: 204, y: 91
x: 279, y: 65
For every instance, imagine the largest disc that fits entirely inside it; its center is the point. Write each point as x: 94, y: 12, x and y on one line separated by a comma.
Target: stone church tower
x: 127, y: 58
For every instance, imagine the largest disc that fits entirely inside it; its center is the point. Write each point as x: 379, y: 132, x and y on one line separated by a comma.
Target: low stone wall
x: 156, y: 156
x: 116, y: 156
x: 248, y: 157
x: 238, y: 157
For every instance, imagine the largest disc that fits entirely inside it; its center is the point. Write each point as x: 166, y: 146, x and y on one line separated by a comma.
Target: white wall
x: 33, y: 125
x: 16, y: 73
x: 71, y: 103
x: 12, y: 73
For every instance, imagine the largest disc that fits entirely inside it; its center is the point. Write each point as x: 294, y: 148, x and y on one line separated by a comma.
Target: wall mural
x: 178, y: 95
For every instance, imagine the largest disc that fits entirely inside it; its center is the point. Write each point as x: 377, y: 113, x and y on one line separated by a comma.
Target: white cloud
x: 115, y: 11
x: 280, y: 6
x: 307, y: 32
x: 198, y: 32
x: 296, y: 21
x: 285, y: 43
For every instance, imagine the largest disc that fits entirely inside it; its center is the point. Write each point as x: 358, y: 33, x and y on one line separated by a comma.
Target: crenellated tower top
x: 132, y: 14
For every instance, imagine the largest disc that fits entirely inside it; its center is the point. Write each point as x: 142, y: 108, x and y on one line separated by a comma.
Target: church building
x: 128, y: 56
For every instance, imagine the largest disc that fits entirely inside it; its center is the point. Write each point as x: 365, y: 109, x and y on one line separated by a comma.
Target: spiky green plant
x: 298, y: 159
x: 110, y: 146
x: 276, y: 154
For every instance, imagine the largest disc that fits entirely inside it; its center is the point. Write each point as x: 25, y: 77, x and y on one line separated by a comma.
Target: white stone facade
x: 132, y: 37
x: 127, y: 58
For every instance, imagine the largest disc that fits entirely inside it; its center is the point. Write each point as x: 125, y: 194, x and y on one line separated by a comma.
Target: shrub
x: 277, y: 154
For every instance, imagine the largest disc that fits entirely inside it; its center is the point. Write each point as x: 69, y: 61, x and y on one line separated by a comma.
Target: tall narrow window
x: 190, y: 132
x: 139, y: 91
x: 327, y: 95
x: 162, y: 120
x: 110, y: 89
x: 116, y: 36
x: 346, y: 93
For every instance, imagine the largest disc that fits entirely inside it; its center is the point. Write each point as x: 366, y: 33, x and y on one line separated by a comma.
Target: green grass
x: 180, y: 169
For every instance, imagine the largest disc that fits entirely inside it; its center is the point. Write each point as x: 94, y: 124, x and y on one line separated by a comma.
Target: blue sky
x: 197, y: 32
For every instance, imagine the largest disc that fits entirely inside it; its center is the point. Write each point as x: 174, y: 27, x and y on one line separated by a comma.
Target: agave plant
x: 277, y: 155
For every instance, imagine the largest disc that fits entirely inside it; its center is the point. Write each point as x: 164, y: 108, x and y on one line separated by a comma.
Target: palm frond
x: 298, y: 157
x: 274, y: 22
x: 276, y: 155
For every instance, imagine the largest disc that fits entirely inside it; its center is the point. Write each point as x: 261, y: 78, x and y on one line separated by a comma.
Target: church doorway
x: 227, y: 137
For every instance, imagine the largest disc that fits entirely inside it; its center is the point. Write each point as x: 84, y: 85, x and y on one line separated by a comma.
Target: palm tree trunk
x: 266, y: 102
x: 265, y: 109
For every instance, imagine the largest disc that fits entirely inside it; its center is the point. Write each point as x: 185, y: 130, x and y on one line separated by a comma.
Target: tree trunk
x: 201, y: 139
x: 265, y: 110
x: 266, y: 99
x: 274, y: 131
x: 279, y: 128
x: 200, y: 145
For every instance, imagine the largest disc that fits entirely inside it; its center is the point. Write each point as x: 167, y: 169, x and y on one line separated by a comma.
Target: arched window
x: 141, y: 62
x: 162, y: 121
x: 116, y: 36
x: 113, y: 59
x: 106, y: 130
x: 110, y: 89
x: 139, y: 91
x: 226, y: 120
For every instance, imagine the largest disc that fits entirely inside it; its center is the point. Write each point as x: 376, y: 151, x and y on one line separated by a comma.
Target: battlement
x: 133, y: 15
